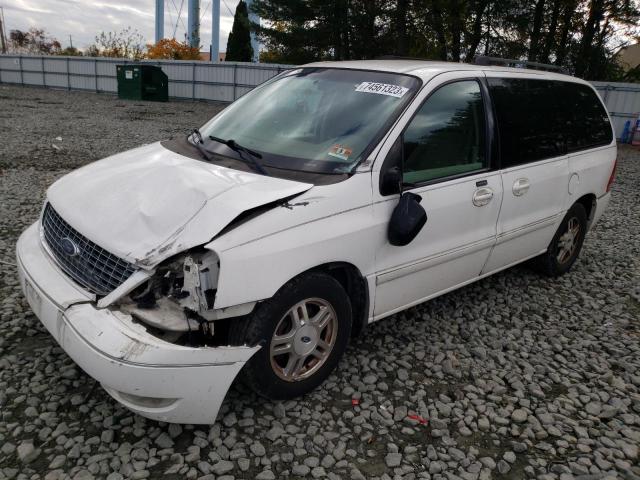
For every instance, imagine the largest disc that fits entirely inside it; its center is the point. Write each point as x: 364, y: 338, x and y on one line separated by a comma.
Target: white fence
x: 222, y: 82
x: 622, y: 101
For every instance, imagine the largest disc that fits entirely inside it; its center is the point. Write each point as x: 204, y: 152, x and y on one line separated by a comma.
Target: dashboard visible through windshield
x: 317, y: 120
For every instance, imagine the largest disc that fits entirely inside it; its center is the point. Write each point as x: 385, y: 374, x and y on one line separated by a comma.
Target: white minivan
x: 329, y: 197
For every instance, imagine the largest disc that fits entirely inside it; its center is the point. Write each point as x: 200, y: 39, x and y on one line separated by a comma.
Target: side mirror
x: 407, y: 220
x: 391, y: 181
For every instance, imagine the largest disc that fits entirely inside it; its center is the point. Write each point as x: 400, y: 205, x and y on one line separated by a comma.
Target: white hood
x: 150, y: 203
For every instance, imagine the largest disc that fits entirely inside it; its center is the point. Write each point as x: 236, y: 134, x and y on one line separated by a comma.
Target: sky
x: 84, y: 19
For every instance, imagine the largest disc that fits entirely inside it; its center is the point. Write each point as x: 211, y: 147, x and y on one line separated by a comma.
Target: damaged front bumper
x: 154, y: 378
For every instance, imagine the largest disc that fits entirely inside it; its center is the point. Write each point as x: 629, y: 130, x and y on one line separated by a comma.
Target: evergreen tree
x: 239, y: 43
x: 582, y: 36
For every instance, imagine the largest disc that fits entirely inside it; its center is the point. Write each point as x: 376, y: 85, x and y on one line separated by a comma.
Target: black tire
x: 549, y: 262
x: 259, y: 328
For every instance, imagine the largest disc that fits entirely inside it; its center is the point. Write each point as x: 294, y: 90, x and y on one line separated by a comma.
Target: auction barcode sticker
x: 382, y: 89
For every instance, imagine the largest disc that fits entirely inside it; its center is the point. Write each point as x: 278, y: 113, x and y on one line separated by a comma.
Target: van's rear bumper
x: 154, y: 378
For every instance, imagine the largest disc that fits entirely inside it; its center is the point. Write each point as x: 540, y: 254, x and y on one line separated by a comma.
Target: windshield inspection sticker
x: 382, y: 89
x: 340, y: 151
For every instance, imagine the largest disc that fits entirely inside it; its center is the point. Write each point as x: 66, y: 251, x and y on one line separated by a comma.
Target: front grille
x: 91, y: 266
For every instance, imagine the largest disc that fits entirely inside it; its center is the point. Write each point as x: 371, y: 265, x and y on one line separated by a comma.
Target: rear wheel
x: 303, y: 331
x: 566, y: 244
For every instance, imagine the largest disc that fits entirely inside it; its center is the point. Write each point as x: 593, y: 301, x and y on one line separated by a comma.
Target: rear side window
x: 528, y: 120
x: 539, y: 119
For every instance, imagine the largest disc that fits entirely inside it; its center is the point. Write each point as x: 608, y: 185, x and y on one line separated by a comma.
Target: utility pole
x: 159, y: 20
x: 215, y: 30
x: 193, y: 32
x: 3, y: 41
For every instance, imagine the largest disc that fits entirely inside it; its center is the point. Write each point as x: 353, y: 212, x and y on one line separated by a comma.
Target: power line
x: 230, y: 12
x: 170, y: 18
x: 178, y: 19
x: 180, y: 16
x: 204, y: 11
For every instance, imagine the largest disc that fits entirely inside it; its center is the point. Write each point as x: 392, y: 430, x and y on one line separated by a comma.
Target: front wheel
x: 303, y: 331
x: 566, y: 244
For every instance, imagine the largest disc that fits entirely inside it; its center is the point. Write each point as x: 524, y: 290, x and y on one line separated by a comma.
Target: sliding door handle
x: 521, y: 186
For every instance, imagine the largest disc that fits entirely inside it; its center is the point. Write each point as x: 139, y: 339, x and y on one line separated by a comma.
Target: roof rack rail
x: 508, y: 62
x: 399, y: 57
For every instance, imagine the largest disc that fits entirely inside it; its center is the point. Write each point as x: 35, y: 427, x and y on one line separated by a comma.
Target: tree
x: 33, y: 41
x: 70, y: 52
x: 239, y: 42
x: 127, y: 43
x: 170, y: 48
x: 582, y: 36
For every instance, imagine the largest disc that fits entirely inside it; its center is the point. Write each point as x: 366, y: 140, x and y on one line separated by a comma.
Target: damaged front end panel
x: 178, y: 300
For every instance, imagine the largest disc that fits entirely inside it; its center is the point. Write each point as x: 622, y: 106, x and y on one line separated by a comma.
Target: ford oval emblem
x: 69, y: 247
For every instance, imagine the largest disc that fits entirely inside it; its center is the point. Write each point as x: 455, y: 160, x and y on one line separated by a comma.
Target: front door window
x: 446, y: 137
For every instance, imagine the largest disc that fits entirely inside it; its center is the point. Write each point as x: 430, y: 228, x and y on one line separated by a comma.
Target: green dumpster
x: 142, y: 82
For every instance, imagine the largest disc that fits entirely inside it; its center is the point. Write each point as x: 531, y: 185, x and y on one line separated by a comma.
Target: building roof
x: 629, y: 56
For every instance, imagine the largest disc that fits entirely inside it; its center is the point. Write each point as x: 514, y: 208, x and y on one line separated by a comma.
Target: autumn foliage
x: 170, y: 48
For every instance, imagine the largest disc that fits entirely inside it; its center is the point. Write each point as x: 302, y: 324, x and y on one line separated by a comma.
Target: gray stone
x: 300, y: 470
x: 519, y: 415
x: 509, y: 457
x: 318, y: 472
x: 265, y: 475
x: 279, y: 410
x: 222, y: 467
x: 164, y: 441
x: 86, y: 475
x: 630, y: 451
x: 488, y: 462
x: 244, y: 464
x: 258, y: 449
x: 393, y: 459
x: 27, y: 453
x: 593, y: 408
x: 57, y: 462
x: 483, y: 424
x: 174, y: 430
x: 503, y: 467
x: 106, y: 436
x: 230, y: 419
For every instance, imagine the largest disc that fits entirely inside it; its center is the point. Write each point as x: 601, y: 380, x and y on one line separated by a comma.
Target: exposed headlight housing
x: 180, y: 295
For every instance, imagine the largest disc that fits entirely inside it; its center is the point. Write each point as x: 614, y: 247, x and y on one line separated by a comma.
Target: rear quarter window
x: 587, y: 124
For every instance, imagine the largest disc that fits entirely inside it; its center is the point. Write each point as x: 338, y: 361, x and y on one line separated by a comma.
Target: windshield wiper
x: 198, y: 142
x: 236, y: 147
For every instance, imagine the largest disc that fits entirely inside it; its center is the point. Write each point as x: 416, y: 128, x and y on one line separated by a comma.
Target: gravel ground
x: 516, y: 376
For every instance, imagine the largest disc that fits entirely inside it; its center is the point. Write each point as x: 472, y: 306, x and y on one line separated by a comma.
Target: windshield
x: 319, y: 120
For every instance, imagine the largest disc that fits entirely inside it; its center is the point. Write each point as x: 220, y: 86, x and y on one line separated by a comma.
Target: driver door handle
x: 482, y: 196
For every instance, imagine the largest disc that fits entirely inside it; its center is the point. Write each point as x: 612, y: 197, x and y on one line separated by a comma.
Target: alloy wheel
x: 568, y: 241
x: 303, y: 339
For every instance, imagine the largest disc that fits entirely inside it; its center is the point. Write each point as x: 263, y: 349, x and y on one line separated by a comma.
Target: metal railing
x: 225, y: 81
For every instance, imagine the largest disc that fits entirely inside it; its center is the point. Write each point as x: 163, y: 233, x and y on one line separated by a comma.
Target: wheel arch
x: 354, y: 283
x: 589, y: 202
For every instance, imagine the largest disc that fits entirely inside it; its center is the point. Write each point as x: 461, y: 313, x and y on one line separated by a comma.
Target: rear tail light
x: 613, y: 176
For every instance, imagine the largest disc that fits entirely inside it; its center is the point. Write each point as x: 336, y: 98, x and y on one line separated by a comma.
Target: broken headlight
x: 179, y: 295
